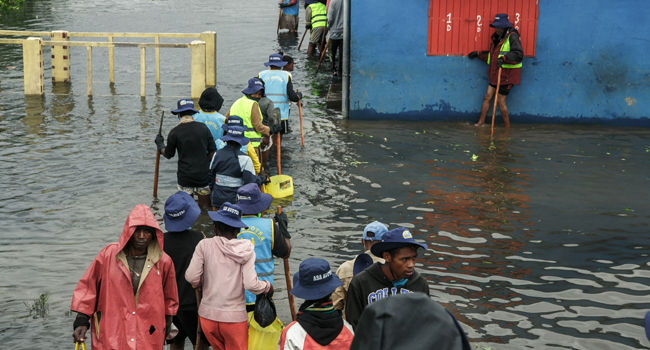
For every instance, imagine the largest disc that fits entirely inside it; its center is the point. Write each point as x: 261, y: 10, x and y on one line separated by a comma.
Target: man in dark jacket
x: 409, y: 322
x: 195, y: 146
x: 379, y: 281
x: 181, y: 211
x: 506, y: 53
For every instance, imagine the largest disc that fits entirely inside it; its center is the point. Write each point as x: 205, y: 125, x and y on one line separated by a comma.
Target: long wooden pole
x: 322, y: 54
x: 303, y: 38
x: 302, y: 135
x: 287, y: 277
x: 496, y: 96
x: 198, y: 325
x: 278, y: 142
x: 155, y: 178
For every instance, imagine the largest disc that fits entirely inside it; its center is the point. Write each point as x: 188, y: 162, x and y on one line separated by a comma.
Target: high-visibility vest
x: 318, y: 15
x: 242, y: 108
x: 505, y: 48
x: 291, y: 10
x: 260, y: 232
x: 275, y: 88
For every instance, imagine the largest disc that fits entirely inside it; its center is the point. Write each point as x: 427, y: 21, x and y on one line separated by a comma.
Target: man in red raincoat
x: 128, y: 294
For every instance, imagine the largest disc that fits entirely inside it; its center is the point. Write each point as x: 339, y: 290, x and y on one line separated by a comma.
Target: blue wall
x: 592, y: 66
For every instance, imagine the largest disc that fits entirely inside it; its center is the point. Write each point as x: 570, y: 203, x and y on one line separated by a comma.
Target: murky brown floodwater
x: 539, y: 243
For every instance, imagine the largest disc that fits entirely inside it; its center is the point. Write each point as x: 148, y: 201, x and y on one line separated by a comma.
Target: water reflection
x: 34, y: 108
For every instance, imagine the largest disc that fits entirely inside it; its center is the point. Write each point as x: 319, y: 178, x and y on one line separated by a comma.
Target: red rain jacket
x: 120, y: 319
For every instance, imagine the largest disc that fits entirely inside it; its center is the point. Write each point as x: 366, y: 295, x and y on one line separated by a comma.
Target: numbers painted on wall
x: 478, y: 23
x: 517, y: 21
x: 449, y: 21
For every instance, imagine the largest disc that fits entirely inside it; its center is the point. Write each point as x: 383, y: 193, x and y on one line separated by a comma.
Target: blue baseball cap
x: 276, y: 60
x: 254, y: 85
x: 235, y: 133
x: 181, y: 211
x: 501, y: 21
x: 314, y: 280
x: 396, y: 238
x: 375, y: 227
x: 183, y: 105
x: 251, y: 200
x: 228, y: 214
x: 233, y: 120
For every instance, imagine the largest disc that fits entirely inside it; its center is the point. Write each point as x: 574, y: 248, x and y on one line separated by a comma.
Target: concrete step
x: 334, y: 97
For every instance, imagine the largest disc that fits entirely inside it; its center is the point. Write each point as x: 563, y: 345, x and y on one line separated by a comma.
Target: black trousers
x: 336, y: 45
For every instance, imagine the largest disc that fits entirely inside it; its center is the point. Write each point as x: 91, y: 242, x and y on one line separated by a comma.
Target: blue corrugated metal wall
x: 592, y: 66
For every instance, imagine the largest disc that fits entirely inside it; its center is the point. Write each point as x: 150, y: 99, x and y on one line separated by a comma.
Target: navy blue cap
x: 276, y: 60
x: 228, y: 214
x: 183, y: 105
x: 234, y: 121
x: 396, y: 238
x: 501, y: 21
x: 235, y: 133
x: 314, y: 280
x: 251, y: 200
x: 254, y: 85
x: 647, y: 325
x: 362, y: 262
x: 181, y: 211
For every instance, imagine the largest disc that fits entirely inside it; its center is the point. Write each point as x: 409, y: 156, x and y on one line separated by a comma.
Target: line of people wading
x: 136, y: 291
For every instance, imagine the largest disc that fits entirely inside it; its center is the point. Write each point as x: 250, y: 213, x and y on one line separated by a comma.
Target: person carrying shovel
x: 505, y: 56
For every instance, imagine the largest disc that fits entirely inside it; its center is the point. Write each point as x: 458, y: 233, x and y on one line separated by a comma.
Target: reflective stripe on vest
x: 228, y: 181
x: 291, y: 10
x: 242, y: 108
x: 318, y: 15
x: 275, y: 87
x: 220, y: 144
x: 260, y: 232
x: 505, y: 48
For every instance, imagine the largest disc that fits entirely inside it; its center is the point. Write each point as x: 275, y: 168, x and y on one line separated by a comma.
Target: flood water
x: 540, y: 242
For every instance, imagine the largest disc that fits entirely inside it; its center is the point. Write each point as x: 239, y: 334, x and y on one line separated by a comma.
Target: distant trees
x: 10, y: 4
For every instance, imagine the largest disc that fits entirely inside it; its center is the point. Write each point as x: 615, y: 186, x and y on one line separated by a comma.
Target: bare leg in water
x: 501, y: 101
x: 487, y: 103
x: 204, y: 201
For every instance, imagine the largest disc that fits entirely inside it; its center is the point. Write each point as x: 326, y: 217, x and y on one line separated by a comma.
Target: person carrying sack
x: 224, y: 267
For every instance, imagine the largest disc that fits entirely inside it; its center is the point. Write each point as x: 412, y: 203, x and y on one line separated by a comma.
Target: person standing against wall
x: 335, y: 23
x: 289, y: 19
x: 506, y: 53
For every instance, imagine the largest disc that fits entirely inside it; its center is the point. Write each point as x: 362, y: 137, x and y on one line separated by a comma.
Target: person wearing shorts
x: 316, y: 20
x: 505, y: 56
x: 195, y: 145
x: 289, y: 19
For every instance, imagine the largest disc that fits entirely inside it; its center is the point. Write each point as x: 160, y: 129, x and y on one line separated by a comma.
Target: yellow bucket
x: 263, y: 338
x: 280, y: 186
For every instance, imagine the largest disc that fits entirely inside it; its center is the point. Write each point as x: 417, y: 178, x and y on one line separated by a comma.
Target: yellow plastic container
x: 280, y: 186
x: 263, y: 338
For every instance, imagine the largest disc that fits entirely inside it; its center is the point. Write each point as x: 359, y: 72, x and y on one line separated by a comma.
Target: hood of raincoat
x: 141, y: 215
x: 239, y: 250
x: 408, y: 322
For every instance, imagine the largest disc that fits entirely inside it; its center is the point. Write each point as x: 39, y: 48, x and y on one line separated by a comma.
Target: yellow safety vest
x: 242, y: 108
x: 318, y: 15
x: 505, y: 48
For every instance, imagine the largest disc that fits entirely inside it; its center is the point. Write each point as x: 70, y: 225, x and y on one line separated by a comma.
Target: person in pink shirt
x: 224, y: 267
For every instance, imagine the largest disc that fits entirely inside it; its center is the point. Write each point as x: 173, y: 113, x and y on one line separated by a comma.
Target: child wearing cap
x: 396, y: 276
x: 181, y: 211
x: 231, y: 168
x: 318, y: 325
x: 372, y: 234
x: 224, y: 267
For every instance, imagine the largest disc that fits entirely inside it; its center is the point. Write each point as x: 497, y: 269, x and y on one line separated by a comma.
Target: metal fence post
x: 60, y: 57
x: 210, y: 39
x: 198, y: 68
x: 33, y: 66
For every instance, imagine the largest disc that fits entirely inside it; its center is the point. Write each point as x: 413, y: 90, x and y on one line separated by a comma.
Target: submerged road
x: 540, y: 242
